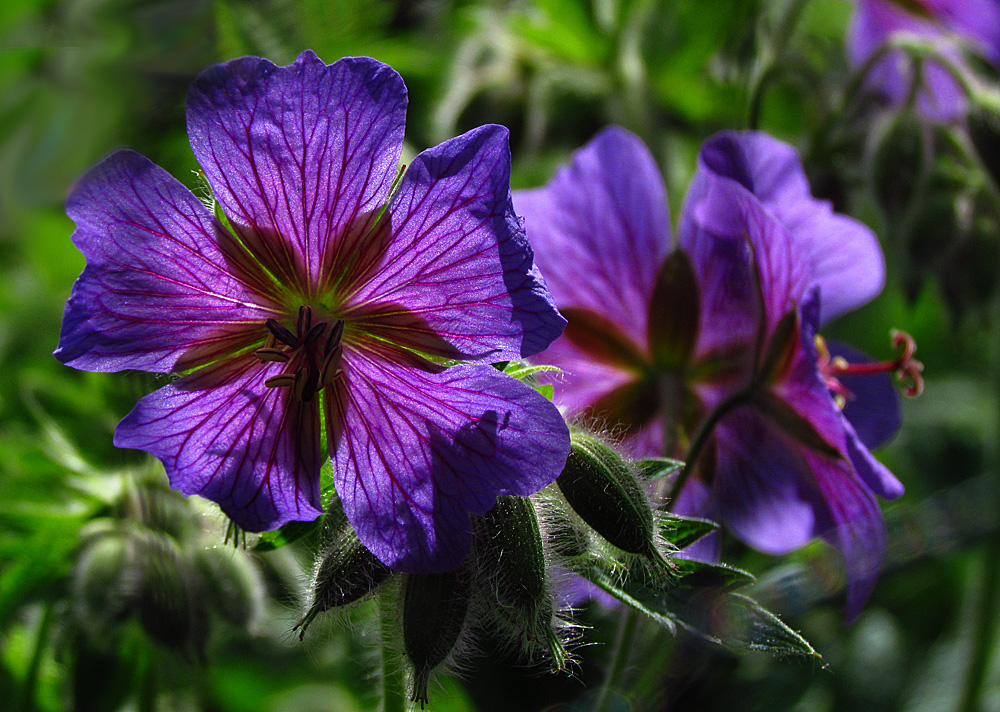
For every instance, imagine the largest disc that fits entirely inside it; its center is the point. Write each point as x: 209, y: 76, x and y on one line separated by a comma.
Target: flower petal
x: 940, y: 98
x: 300, y: 157
x: 416, y: 453
x: 601, y: 229
x: 160, y: 290
x: 776, y: 495
x: 843, y: 255
x: 873, y: 402
x: 224, y: 435
x: 457, y: 257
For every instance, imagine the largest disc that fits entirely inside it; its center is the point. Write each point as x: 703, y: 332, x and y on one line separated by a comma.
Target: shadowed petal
x: 843, y: 255
x: 300, y: 157
x: 157, y: 293
x: 601, y: 229
x: 416, y: 453
x: 458, y: 257
x: 224, y: 435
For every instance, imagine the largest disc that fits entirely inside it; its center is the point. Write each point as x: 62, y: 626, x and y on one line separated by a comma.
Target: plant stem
x: 393, y: 675
x: 987, y: 614
x: 26, y: 703
x: 619, y: 657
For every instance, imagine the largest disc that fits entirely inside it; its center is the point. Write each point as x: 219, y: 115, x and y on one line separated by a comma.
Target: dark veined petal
x: 160, y: 291
x: 300, y: 157
x: 601, y: 229
x: 416, y: 453
x: 843, y: 255
x: 457, y: 258
x: 776, y: 495
x: 222, y: 434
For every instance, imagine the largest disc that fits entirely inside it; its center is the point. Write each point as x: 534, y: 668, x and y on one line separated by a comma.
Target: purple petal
x: 583, y: 380
x: 940, y: 98
x: 776, y: 495
x: 416, y: 453
x: 300, y: 157
x: 873, y: 402
x: 601, y: 229
x: 747, y: 263
x: 161, y: 289
x: 457, y: 258
x: 224, y: 435
x: 843, y: 255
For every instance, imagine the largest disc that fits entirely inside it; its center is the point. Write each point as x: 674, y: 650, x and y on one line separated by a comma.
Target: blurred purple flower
x: 314, y: 295
x: 948, y: 24
x: 658, y: 338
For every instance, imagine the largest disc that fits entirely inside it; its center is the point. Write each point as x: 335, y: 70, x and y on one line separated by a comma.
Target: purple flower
x: 658, y: 339
x: 975, y: 23
x: 315, y: 296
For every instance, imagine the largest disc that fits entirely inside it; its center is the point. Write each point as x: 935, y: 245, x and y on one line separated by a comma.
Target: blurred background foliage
x: 85, y: 528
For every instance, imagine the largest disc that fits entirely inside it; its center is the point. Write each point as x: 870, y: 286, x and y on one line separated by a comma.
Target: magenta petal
x: 419, y: 452
x: 298, y: 156
x: 601, y: 229
x: 843, y: 255
x: 458, y: 257
x: 224, y: 435
x: 156, y: 289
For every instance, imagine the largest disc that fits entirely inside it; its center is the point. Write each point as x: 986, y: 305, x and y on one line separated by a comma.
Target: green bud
x: 105, y: 583
x: 434, y: 612
x: 171, y: 609
x: 345, y: 571
x: 601, y: 487
x: 511, y: 549
x: 230, y: 583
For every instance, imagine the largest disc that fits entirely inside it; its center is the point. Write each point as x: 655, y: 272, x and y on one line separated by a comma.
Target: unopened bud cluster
x: 147, y: 563
x: 524, y: 550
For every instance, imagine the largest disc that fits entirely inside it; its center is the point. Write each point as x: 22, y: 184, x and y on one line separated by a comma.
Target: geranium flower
x: 660, y: 343
x: 950, y: 24
x: 313, y: 295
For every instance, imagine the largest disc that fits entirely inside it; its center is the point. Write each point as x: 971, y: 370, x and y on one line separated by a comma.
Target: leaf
x: 656, y: 468
x: 682, y: 532
x: 293, y: 531
x: 701, y: 574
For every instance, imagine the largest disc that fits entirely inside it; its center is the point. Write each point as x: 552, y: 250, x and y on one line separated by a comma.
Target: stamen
x: 904, y: 367
x: 281, y: 333
x: 282, y: 381
x: 271, y: 354
x: 304, y: 321
x: 330, y: 369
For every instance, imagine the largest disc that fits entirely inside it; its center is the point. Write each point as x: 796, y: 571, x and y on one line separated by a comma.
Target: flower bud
x: 345, y: 571
x: 511, y: 549
x: 230, y: 583
x: 601, y: 487
x: 434, y: 612
x: 105, y: 583
x: 171, y: 610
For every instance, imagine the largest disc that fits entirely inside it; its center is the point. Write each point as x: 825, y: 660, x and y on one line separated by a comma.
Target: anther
x: 281, y: 333
x: 283, y: 381
x: 272, y: 354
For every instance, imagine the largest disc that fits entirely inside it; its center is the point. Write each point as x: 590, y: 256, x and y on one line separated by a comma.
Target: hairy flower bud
x: 435, y: 607
x: 230, y: 583
x: 104, y: 583
x: 512, y: 551
x: 345, y: 571
x: 601, y: 487
x: 171, y: 609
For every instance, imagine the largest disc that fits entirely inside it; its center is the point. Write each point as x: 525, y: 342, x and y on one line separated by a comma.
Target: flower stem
x: 627, y: 626
x: 700, y: 440
x: 987, y: 614
x: 393, y: 675
x: 28, y: 689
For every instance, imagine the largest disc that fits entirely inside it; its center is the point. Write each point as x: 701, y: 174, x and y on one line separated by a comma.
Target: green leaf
x: 656, y: 468
x: 682, y: 532
x: 701, y: 574
x: 293, y: 531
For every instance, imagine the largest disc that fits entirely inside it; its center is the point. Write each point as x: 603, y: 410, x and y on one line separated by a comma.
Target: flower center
x: 312, y: 353
x: 906, y: 369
